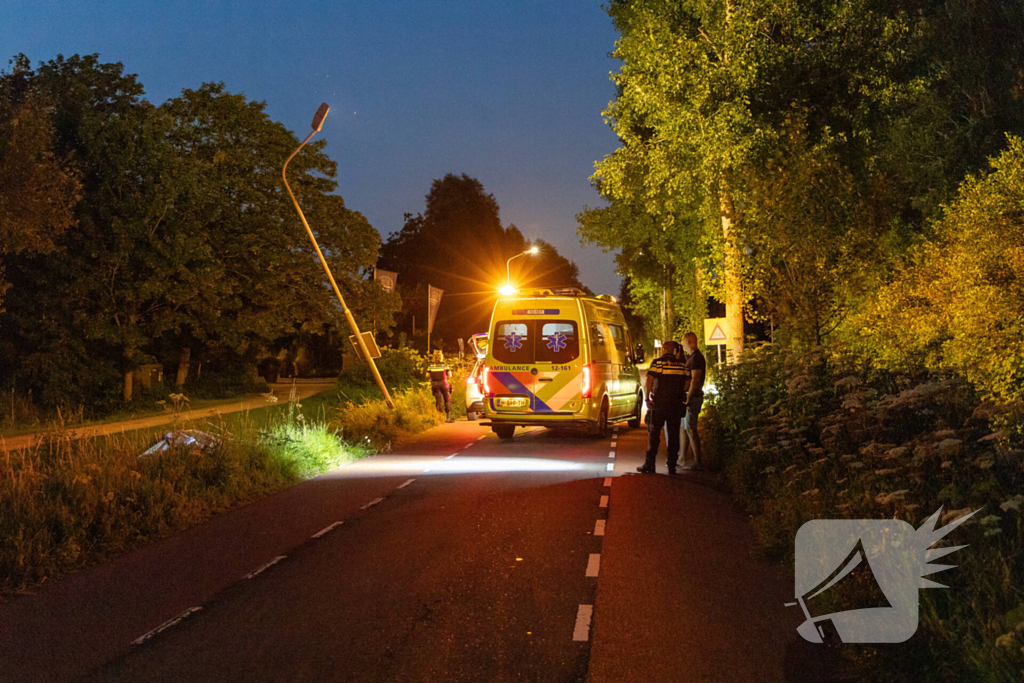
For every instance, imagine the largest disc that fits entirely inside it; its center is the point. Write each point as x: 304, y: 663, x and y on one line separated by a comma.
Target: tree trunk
x: 733, y: 290
x: 186, y: 354
x: 129, y: 378
x: 668, y: 313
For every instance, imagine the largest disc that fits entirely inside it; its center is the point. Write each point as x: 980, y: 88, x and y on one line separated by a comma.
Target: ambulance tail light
x: 588, y: 384
x: 485, y: 377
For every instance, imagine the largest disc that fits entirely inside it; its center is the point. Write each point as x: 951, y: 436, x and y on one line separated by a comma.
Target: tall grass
x: 70, y: 502
x: 374, y: 424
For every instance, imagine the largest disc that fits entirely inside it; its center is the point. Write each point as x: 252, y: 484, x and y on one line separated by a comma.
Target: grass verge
x: 69, y: 502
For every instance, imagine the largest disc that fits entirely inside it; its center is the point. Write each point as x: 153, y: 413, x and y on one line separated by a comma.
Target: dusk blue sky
x: 510, y: 93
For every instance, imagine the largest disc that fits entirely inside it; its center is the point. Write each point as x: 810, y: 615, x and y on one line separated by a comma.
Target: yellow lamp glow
x: 507, y: 290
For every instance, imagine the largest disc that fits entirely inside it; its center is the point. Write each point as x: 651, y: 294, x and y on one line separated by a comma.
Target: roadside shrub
x: 959, y: 302
x: 374, y: 424
x: 399, y: 368
x: 826, y: 434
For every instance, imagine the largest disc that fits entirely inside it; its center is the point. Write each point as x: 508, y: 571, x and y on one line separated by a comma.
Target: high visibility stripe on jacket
x: 439, y: 372
x: 671, y: 376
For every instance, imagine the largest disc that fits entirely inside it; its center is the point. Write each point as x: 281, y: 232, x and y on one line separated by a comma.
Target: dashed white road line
x: 326, y: 529
x: 582, y: 630
x: 406, y: 483
x: 607, y: 481
x: 611, y: 454
x: 611, y: 467
x: 613, y: 444
x: 372, y: 503
x: 599, y: 528
x: 593, y: 564
x: 259, y: 570
x: 604, y: 502
x: 167, y: 624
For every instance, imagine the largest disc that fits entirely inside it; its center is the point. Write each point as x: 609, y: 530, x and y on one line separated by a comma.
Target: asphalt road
x: 470, y: 572
x: 456, y: 558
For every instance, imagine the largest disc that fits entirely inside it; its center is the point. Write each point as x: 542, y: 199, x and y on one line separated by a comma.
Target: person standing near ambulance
x: 697, y: 368
x: 440, y: 373
x: 667, y: 379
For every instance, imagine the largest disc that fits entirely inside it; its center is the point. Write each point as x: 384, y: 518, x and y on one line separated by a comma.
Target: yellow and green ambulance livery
x: 558, y: 358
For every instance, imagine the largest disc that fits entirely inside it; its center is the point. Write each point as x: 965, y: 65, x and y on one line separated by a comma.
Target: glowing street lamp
x: 508, y: 289
x: 318, y: 123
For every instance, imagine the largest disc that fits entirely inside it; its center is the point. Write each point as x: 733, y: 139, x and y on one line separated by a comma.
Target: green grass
x: 68, y: 503
x: 371, y: 422
x: 76, y: 421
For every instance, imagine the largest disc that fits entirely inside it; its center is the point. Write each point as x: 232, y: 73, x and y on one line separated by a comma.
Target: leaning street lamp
x: 508, y: 289
x: 318, y: 123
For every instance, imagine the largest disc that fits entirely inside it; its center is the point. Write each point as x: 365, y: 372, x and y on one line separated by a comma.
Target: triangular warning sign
x: 717, y: 334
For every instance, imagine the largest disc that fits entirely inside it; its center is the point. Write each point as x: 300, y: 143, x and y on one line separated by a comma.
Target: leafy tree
x: 185, y: 241
x: 38, y: 187
x: 726, y: 111
x: 459, y: 245
x: 958, y: 303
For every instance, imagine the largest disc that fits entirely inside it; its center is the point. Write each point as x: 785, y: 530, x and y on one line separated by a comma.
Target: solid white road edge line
x: 166, y: 625
x: 604, y: 502
x: 451, y: 456
x: 599, y: 528
x: 593, y: 564
x: 326, y: 529
x: 582, y: 630
x: 268, y: 565
x: 406, y: 483
x: 372, y: 503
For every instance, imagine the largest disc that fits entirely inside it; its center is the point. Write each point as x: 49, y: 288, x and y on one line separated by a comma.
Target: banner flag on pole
x: 387, y: 279
x: 434, y: 301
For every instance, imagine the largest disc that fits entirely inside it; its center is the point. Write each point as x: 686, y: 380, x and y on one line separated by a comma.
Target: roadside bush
x: 959, y: 302
x: 399, y: 368
x: 825, y: 434
x: 374, y: 424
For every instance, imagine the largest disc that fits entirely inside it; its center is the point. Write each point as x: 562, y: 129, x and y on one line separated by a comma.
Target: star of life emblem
x: 556, y: 341
x: 513, y: 342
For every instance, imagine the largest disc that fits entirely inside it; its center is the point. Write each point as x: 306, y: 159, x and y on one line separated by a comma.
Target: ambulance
x: 559, y: 358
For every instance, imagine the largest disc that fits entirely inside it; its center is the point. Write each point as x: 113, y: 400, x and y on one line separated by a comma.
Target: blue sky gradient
x: 508, y: 92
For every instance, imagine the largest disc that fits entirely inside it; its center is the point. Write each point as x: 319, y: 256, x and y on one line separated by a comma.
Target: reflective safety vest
x: 439, y: 374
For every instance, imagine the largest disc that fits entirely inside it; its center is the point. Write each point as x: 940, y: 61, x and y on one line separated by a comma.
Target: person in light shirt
x: 694, y: 400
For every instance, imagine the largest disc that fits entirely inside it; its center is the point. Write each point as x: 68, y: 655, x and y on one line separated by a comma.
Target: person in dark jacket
x: 667, y: 378
x: 440, y: 373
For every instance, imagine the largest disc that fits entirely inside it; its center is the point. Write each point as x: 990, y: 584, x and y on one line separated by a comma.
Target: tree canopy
x: 459, y: 245
x: 181, y: 237
x: 796, y: 149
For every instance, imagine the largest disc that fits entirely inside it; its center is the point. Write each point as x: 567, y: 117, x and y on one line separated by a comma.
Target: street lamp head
x: 318, y: 118
x: 533, y: 250
x: 507, y: 290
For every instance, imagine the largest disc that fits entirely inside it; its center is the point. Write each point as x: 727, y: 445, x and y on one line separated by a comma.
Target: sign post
x: 433, y: 303
x: 716, y: 333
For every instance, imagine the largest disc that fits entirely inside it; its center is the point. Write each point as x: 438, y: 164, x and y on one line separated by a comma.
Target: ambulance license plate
x: 511, y: 402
